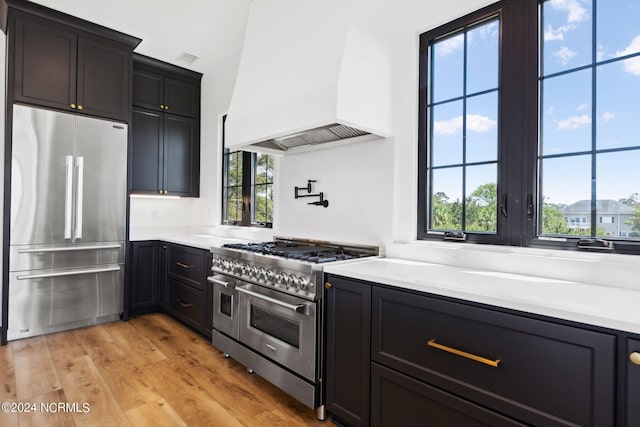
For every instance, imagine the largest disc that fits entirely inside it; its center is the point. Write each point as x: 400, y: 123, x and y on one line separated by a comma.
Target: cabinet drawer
x: 188, y: 265
x: 186, y: 303
x: 436, y: 341
x: 398, y: 400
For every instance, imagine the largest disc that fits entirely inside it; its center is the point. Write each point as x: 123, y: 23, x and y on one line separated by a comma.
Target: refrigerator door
x: 46, y: 301
x: 41, y: 176
x: 101, y: 180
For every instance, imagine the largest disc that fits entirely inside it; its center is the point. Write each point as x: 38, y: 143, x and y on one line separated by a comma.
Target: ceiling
x: 212, y: 30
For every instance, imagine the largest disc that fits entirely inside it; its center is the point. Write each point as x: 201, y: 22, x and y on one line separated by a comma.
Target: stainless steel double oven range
x: 268, y: 309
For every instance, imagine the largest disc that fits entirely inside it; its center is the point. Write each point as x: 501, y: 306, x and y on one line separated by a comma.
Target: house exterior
x: 612, y: 217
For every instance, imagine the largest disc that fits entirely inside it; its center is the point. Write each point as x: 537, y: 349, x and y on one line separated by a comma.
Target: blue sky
x: 568, y: 102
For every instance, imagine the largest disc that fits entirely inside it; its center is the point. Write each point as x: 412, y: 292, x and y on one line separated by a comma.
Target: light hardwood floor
x: 149, y: 371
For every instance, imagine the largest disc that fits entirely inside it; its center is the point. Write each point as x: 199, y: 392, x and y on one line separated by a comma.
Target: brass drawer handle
x: 434, y: 344
x: 635, y: 358
x: 179, y: 264
x: 185, y: 305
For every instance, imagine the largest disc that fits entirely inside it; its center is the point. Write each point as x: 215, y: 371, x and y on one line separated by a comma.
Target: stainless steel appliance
x: 268, y: 309
x: 68, y: 213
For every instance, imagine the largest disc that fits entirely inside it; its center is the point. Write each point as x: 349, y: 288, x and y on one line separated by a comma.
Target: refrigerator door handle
x: 69, y: 273
x: 79, y: 194
x: 68, y: 249
x: 68, y: 196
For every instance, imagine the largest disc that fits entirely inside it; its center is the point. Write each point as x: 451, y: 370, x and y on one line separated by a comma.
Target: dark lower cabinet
x: 144, y: 277
x: 173, y: 278
x: 186, y: 303
x: 399, y: 400
x: 348, y: 314
x: 631, y: 362
x: 399, y: 357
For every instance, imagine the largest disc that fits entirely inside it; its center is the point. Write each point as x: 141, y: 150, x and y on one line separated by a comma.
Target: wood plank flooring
x: 149, y: 371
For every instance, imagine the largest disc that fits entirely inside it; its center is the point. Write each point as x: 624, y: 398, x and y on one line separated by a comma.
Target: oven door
x: 280, y: 326
x: 225, y: 305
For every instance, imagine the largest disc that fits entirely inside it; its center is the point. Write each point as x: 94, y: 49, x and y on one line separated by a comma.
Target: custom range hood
x: 313, y: 73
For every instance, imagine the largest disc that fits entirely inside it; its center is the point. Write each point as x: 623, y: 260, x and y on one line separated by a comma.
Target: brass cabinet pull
x: 73, y: 105
x: 185, y: 305
x: 327, y: 285
x: 180, y: 264
x: 80, y: 107
x: 162, y: 106
x: 166, y: 107
x: 635, y: 358
x: 494, y: 363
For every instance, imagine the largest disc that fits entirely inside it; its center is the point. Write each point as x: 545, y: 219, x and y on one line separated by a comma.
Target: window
x: 527, y: 122
x: 247, y: 187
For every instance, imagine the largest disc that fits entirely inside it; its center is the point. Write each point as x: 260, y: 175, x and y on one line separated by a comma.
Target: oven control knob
x: 281, y: 279
x: 262, y: 273
x: 253, y: 271
x: 292, y: 280
x: 270, y: 275
x: 301, y: 283
x: 217, y: 262
x: 244, y: 269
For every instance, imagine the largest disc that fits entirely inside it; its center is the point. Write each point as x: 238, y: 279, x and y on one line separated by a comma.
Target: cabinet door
x: 180, y: 97
x: 147, y: 155
x: 103, y: 79
x: 181, y: 156
x: 144, y: 275
x: 45, y: 64
x: 399, y: 400
x: 147, y: 90
x: 348, y: 309
x: 162, y: 275
x: 633, y: 384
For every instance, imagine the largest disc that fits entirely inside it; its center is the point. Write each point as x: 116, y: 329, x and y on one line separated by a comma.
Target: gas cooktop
x: 315, y: 253
x: 288, y: 265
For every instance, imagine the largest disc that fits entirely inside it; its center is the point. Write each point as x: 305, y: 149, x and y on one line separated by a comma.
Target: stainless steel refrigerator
x: 68, y: 216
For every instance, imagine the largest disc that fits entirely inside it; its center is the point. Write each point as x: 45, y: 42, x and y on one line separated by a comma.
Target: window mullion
x: 247, y: 172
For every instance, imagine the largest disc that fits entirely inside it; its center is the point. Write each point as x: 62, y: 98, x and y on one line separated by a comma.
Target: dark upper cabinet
x: 165, y: 154
x: 41, y: 45
x: 181, y: 156
x: 147, y: 151
x: 167, y: 94
x: 56, y: 61
x: 181, y: 97
x: 166, y: 129
x: 103, y: 79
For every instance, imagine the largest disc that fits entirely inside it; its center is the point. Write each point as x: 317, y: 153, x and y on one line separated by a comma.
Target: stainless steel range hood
x: 312, y: 74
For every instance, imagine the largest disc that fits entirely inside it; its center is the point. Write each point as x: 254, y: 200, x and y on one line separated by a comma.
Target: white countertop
x: 197, y: 238
x: 606, y: 306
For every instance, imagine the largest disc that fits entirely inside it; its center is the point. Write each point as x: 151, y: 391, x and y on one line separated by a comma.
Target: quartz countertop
x: 606, y: 306
x: 194, y: 237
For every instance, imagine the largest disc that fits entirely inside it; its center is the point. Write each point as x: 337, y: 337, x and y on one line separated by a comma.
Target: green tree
x: 481, y: 208
x: 446, y: 215
x: 553, y: 220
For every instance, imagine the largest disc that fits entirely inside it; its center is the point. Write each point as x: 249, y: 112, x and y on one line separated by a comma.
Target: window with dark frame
x: 526, y: 135
x: 247, y: 187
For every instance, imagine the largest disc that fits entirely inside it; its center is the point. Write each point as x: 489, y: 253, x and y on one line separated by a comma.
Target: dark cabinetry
x: 348, y: 308
x: 436, y: 361
x: 145, y: 268
x: 65, y: 63
x: 172, y: 278
x: 631, y: 362
x: 166, y: 129
x: 166, y: 94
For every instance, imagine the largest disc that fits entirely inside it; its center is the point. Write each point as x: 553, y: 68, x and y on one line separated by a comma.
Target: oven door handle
x: 298, y: 308
x: 217, y: 281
